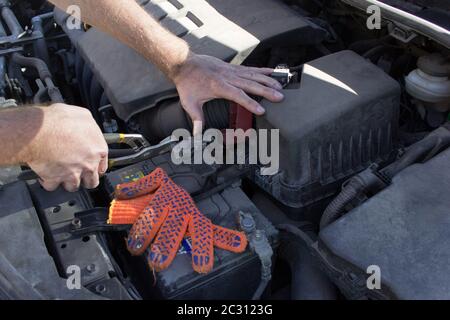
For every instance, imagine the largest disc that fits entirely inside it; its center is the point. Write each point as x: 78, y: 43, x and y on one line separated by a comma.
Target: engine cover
x: 342, y: 117
x: 403, y: 230
x: 229, y: 30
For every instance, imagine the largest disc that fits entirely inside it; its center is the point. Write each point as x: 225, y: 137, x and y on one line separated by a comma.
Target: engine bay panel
x: 404, y: 231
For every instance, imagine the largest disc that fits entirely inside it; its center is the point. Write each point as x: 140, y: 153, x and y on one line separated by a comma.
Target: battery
x: 193, y: 178
x: 234, y: 276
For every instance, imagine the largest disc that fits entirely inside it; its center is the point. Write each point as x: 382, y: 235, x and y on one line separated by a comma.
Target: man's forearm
x: 128, y: 22
x: 18, y: 128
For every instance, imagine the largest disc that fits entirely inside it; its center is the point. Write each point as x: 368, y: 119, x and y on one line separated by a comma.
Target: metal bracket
x: 12, y: 41
x: 401, y: 33
x: 94, y: 220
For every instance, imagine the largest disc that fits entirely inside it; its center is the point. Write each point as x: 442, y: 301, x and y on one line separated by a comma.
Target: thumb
x: 195, y: 112
x: 198, y: 128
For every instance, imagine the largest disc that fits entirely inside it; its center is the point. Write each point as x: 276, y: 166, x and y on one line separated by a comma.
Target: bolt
x: 76, y: 223
x: 91, y: 268
x: 100, y: 288
x: 247, y: 224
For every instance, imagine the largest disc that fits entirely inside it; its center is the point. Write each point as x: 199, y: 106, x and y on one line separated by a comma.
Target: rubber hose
x: 44, y: 74
x: 337, y: 206
x: 420, y: 151
x: 160, y: 122
x: 40, y: 45
x: 35, y: 63
x: 11, y: 21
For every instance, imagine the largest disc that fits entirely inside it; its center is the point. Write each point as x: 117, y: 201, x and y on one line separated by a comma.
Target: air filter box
x: 340, y: 118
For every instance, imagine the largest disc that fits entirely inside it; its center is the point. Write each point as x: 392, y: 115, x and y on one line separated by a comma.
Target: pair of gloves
x: 162, y: 214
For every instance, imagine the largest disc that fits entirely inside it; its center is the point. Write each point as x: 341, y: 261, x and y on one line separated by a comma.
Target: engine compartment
x: 365, y: 116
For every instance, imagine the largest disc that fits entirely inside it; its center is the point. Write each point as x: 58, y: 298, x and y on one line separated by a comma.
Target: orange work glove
x: 162, y: 213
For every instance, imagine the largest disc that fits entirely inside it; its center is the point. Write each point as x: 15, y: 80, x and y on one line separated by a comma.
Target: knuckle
x: 70, y: 188
x: 50, y: 187
x: 103, y: 153
x: 252, y: 104
x: 85, y: 111
x: 91, y: 183
x: 58, y: 105
x: 89, y: 170
x: 268, y: 92
x: 251, y: 75
x: 72, y: 176
x: 241, y: 93
x: 97, y: 152
x: 272, y: 82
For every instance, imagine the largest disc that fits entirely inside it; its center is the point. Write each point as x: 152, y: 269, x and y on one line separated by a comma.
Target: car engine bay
x: 364, y: 153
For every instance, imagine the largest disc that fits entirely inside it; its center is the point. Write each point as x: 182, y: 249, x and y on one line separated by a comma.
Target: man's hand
x: 199, y: 79
x: 203, y: 78
x: 69, y: 149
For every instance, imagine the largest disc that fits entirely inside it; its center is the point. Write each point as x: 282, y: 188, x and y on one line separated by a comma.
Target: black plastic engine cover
x: 404, y: 230
x: 99, y: 273
x: 27, y: 270
x: 229, y: 30
x: 342, y: 117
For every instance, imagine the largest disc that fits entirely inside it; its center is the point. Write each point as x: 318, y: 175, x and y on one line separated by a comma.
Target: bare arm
x: 18, y: 128
x: 199, y: 79
x: 129, y: 23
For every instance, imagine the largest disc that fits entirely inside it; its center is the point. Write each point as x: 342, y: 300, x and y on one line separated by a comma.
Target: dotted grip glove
x: 163, y: 213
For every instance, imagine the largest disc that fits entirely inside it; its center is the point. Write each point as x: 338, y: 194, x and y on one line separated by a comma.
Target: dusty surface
x: 8, y: 174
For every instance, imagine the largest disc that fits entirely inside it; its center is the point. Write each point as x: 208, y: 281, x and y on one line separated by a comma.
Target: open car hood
x: 427, y: 18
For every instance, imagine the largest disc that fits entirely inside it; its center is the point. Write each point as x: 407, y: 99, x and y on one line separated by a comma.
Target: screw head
x: 76, y: 223
x: 248, y: 224
x: 100, y: 288
x: 91, y: 268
